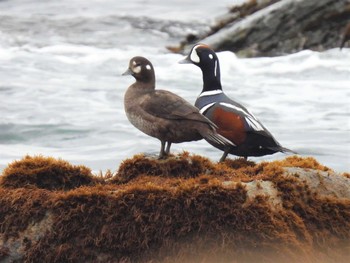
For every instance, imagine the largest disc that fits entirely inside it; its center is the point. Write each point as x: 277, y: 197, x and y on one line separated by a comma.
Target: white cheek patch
x: 148, y: 67
x: 136, y: 69
x: 194, y: 56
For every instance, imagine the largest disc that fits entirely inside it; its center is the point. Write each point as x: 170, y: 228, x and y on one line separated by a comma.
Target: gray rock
x: 323, y: 183
x: 284, y: 27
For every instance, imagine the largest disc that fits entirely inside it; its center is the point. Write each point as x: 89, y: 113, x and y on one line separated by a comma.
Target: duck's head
x: 200, y: 55
x: 141, y: 69
x: 206, y: 59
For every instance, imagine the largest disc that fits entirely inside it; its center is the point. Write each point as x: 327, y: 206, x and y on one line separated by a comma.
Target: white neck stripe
x: 206, y: 107
x: 210, y: 92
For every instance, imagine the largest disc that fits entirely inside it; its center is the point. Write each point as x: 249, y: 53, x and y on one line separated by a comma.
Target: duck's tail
x: 282, y: 149
x: 286, y: 150
x: 217, y: 138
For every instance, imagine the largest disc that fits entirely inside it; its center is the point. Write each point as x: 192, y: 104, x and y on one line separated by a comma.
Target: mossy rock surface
x: 183, y: 209
x: 45, y: 173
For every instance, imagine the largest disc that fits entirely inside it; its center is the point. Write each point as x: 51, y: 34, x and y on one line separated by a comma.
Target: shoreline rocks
x: 182, y: 209
x: 272, y: 28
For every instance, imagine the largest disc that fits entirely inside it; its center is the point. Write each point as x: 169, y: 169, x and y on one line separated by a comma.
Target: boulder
x: 183, y: 209
x: 271, y: 28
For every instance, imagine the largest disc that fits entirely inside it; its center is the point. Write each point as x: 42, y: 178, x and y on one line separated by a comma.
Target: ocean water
x: 61, y: 89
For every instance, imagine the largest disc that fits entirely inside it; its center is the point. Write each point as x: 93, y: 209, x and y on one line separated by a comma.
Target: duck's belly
x: 175, y: 131
x: 143, y: 125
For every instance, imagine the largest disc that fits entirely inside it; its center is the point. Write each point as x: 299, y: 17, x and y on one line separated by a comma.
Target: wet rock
x: 345, y: 36
x: 271, y: 28
x: 321, y: 182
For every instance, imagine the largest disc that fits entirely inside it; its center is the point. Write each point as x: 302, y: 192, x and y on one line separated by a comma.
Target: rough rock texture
x: 184, y: 209
x: 270, y: 27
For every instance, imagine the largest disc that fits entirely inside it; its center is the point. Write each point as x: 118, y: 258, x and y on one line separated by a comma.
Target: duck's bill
x: 185, y: 60
x: 127, y: 72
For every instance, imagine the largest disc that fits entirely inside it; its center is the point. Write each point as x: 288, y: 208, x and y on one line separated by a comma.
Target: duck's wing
x: 256, y: 132
x: 250, y: 122
x: 167, y: 105
x: 236, y: 122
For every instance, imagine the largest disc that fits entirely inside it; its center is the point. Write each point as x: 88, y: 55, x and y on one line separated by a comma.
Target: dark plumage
x: 234, y: 121
x: 162, y: 114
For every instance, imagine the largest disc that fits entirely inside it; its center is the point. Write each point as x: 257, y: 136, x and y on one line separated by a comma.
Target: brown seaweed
x: 183, y: 209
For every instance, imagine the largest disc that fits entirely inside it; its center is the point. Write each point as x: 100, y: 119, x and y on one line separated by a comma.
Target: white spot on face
x: 211, y: 56
x: 194, y: 55
x: 148, y: 67
x: 136, y: 69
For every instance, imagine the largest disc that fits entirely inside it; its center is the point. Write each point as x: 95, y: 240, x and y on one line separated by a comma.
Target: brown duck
x: 162, y: 114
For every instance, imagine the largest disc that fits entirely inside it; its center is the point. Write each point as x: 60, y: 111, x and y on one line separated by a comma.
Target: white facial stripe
x: 251, y: 120
x: 148, y: 67
x: 206, y: 107
x: 210, y: 92
x: 216, y: 67
x: 136, y: 69
x: 194, y: 56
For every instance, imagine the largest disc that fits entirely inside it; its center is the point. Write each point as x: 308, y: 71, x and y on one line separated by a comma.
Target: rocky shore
x: 183, y: 209
x: 275, y: 27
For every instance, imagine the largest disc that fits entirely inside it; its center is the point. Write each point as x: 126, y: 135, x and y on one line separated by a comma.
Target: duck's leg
x: 161, y: 153
x: 167, y: 150
x: 223, y: 157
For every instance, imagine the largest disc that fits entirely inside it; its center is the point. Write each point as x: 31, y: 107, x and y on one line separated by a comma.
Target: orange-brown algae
x: 182, y: 209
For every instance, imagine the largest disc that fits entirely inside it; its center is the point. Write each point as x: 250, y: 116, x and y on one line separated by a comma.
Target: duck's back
x: 238, y: 125
x: 164, y: 115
